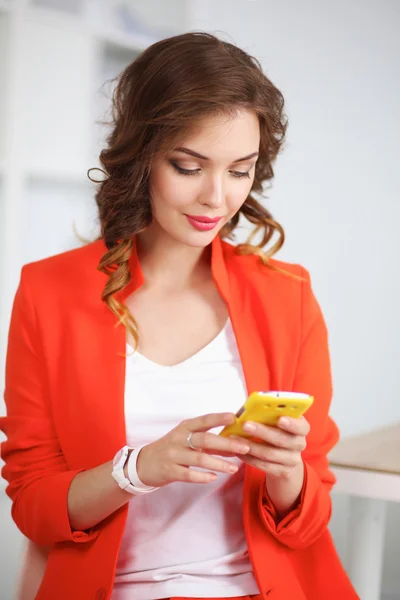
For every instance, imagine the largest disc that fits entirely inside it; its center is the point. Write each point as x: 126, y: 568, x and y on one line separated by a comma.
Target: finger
x: 273, y: 454
x: 275, y: 436
x: 191, y: 476
x: 205, y: 422
x: 224, y: 454
x: 204, y: 461
x: 235, y: 454
x: 215, y: 444
x: 272, y: 469
x: 299, y: 426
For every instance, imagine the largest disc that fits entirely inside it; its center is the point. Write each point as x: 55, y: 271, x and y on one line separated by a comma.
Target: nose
x: 214, y: 192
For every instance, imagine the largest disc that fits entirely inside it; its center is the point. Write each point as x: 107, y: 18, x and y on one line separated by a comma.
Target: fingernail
x: 284, y: 422
x: 233, y: 469
x: 248, y: 426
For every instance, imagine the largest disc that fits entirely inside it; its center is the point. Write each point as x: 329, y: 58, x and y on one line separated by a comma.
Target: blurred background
x: 336, y: 189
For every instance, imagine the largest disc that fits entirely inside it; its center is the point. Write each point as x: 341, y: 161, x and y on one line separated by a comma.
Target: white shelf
x: 77, y: 52
x: 79, y: 23
x: 123, y: 40
x: 61, y: 176
x: 68, y: 21
x: 55, y: 18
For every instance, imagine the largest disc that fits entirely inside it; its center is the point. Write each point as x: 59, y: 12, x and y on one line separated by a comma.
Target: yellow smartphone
x: 266, y: 408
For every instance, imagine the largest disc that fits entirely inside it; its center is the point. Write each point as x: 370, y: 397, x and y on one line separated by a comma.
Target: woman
x: 125, y: 356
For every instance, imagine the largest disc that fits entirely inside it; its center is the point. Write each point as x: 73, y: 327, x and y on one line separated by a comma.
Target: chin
x: 199, y: 240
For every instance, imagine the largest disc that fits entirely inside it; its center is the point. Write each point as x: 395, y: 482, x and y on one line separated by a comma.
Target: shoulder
x: 250, y: 268
x: 65, y: 273
x: 75, y: 259
x: 284, y: 289
x: 280, y: 284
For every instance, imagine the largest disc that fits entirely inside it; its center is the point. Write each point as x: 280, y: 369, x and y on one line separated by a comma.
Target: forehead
x: 224, y: 137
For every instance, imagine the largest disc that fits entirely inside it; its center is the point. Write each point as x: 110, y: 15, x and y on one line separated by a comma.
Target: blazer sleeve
x: 310, y: 518
x: 35, y: 469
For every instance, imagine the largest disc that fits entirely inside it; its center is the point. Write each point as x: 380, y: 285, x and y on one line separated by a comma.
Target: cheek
x: 237, y: 196
x: 172, y: 192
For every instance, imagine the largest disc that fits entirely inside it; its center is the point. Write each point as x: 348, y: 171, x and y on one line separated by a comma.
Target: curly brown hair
x: 157, y: 98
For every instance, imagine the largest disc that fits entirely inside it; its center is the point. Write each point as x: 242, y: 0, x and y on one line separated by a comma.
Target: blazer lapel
x: 238, y: 297
x: 94, y: 404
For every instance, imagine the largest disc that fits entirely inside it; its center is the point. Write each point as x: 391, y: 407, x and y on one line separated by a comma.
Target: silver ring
x: 189, y: 441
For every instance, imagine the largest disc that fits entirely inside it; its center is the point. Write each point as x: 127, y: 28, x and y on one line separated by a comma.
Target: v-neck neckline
x: 187, y: 361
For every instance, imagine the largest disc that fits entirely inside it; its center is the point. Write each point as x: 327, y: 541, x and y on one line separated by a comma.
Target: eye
x: 240, y: 174
x: 184, y: 171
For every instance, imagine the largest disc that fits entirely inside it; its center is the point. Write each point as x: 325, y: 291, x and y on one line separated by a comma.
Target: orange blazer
x: 65, y: 413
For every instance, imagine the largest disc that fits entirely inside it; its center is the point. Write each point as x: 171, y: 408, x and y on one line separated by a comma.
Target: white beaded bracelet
x: 140, y: 487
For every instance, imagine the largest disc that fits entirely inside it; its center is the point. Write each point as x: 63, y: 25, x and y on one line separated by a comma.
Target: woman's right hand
x: 168, y: 459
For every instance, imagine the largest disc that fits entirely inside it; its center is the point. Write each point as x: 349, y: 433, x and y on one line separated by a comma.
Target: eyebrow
x: 197, y: 155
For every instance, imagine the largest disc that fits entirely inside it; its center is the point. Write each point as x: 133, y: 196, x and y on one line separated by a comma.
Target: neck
x: 169, y: 263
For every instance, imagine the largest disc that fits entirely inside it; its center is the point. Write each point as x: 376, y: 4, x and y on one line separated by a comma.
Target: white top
x: 184, y: 539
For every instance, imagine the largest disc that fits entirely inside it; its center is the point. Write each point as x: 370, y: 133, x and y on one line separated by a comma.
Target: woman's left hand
x: 278, y: 451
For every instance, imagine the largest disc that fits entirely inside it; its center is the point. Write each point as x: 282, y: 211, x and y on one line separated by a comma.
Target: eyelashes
x: 190, y: 172
x: 184, y: 171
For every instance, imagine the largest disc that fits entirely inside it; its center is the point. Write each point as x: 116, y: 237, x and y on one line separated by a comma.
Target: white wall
x: 337, y: 190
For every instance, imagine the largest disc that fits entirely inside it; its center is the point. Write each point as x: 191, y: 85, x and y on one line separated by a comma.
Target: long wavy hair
x: 157, y: 98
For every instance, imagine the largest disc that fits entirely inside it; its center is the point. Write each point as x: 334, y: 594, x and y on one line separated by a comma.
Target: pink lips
x: 203, y: 223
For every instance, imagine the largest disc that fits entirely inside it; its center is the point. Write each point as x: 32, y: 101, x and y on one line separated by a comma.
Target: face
x: 199, y: 186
